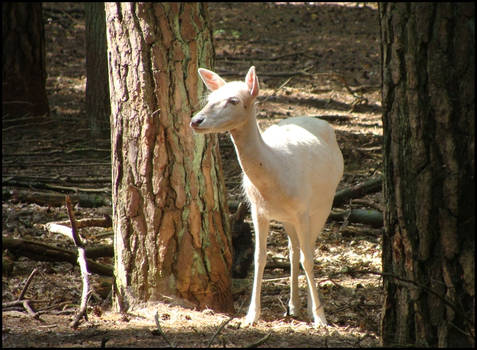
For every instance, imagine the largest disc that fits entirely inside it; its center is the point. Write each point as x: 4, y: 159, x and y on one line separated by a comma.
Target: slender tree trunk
x: 97, y: 83
x: 428, y: 69
x: 23, y: 59
x: 171, y: 232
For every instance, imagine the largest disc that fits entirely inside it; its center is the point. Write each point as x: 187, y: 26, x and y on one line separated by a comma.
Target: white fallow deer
x: 291, y: 172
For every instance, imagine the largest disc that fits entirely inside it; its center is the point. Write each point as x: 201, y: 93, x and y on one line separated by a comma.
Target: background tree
x: 23, y: 59
x: 171, y: 233
x: 97, y: 83
x: 428, y: 69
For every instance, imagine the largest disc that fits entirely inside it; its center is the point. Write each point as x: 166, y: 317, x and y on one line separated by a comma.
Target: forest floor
x: 314, y: 59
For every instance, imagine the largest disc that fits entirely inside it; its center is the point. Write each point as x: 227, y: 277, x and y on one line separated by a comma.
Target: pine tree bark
x: 171, y: 232
x: 97, y: 82
x: 428, y: 69
x: 23, y: 60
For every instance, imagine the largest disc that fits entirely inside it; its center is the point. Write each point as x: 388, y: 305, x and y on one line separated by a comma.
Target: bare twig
x: 51, y: 307
x: 29, y: 309
x: 277, y: 89
x: 358, y: 99
x: 285, y: 308
x: 332, y: 281
x: 161, y: 332
x: 27, y: 283
x: 225, y: 323
x: 259, y: 342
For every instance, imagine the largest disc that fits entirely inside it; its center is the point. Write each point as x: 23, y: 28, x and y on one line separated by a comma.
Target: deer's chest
x: 272, y: 202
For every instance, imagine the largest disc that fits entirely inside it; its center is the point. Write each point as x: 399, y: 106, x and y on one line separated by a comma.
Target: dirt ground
x: 315, y: 59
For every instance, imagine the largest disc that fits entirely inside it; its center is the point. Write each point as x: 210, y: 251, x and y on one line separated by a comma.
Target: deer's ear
x: 212, y: 80
x: 252, y: 81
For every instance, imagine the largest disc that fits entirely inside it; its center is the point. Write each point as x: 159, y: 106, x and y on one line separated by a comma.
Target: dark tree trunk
x: 97, y: 83
x: 23, y: 59
x: 428, y: 68
x: 171, y: 231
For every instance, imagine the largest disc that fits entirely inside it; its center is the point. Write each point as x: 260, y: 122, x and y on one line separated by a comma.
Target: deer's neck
x: 256, y: 157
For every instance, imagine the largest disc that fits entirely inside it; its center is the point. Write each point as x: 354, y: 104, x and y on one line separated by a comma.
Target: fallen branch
x: 94, y: 252
x: 82, y: 312
x: 104, y: 221
x: 360, y: 190
x: 25, y: 303
x: 44, y: 252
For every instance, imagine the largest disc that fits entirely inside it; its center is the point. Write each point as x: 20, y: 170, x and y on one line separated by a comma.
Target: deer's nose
x: 196, y: 121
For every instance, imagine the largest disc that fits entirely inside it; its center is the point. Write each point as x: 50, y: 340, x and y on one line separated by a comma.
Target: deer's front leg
x: 260, y: 224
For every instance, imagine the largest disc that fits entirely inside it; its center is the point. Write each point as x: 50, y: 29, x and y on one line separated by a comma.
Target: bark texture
x: 428, y: 69
x: 170, y: 215
x: 23, y: 60
x: 97, y: 83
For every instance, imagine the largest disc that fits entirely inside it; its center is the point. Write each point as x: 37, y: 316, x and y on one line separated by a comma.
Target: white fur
x: 291, y: 172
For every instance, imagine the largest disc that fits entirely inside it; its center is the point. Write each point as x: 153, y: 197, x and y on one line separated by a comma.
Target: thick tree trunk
x: 171, y: 232
x: 23, y: 60
x: 428, y: 62
x: 97, y: 83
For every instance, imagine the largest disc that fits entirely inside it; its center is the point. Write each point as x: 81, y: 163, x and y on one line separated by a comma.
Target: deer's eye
x: 233, y: 100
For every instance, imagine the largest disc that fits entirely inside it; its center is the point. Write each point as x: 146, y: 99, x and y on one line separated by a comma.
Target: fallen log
x: 86, y: 200
x: 363, y: 216
x: 48, y: 186
x: 360, y: 190
x: 45, y: 252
